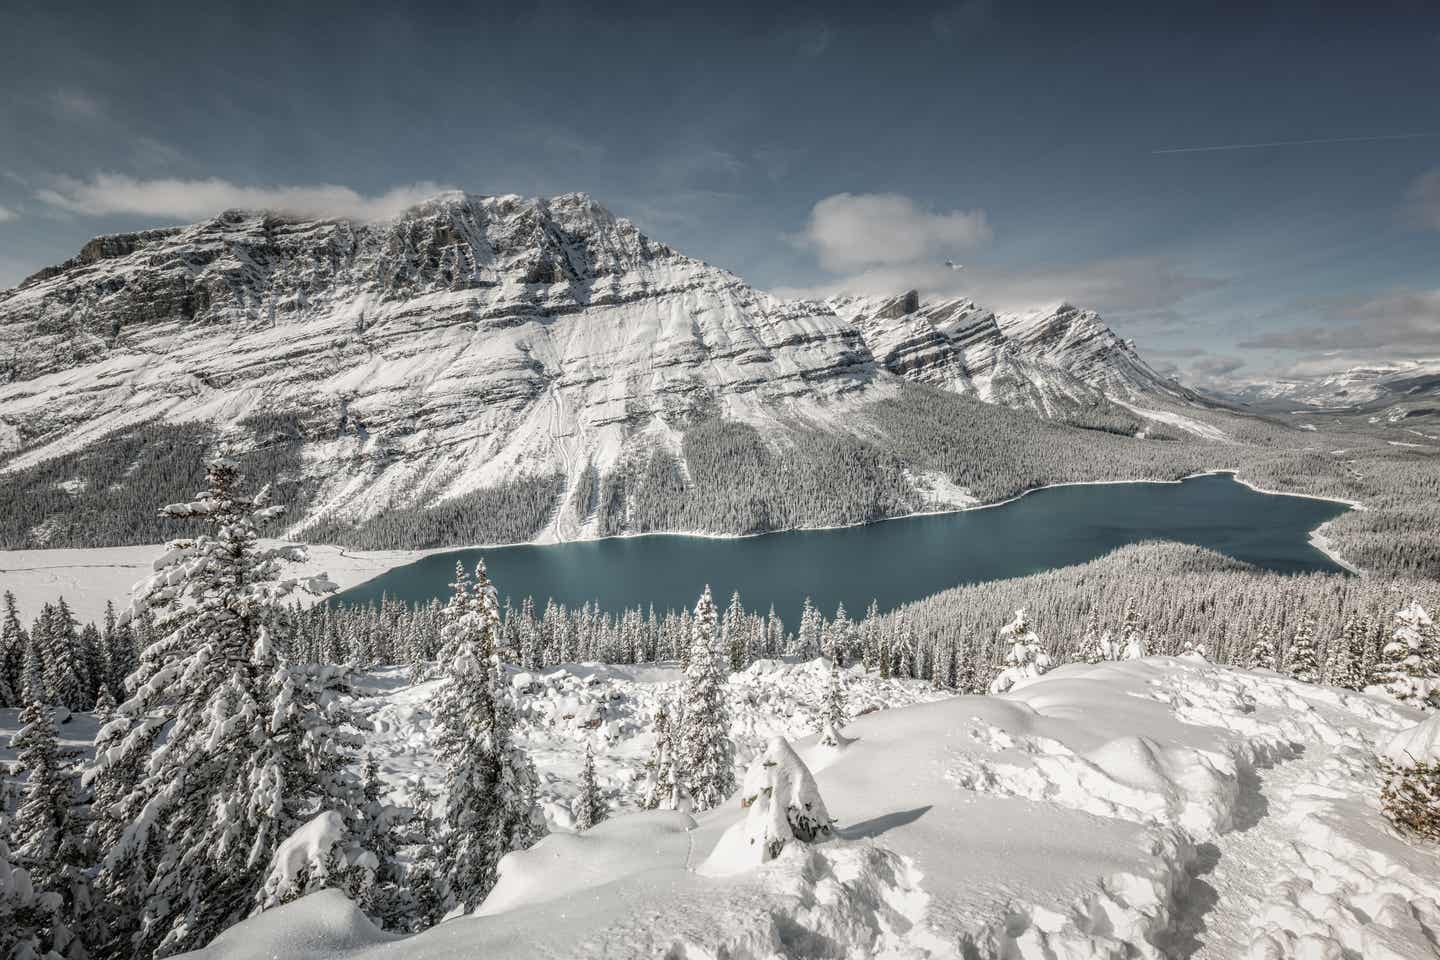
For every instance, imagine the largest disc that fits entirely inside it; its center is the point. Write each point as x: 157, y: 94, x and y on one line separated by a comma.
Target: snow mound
x: 324, y: 924
x: 1419, y: 744
x: 783, y: 807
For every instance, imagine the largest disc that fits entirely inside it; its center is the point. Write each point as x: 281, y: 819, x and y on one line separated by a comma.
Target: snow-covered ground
x: 88, y: 577
x: 1156, y: 808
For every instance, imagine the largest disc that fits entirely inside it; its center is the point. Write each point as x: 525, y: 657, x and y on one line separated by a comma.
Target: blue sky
x: 809, y: 149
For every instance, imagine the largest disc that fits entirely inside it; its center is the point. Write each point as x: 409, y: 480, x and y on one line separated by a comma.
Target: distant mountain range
x: 474, y: 340
x: 1414, y: 385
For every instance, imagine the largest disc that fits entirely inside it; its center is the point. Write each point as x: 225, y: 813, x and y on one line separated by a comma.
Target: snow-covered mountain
x: 1047, y: 361
x: 477, y: 340
x: 1355, y: 387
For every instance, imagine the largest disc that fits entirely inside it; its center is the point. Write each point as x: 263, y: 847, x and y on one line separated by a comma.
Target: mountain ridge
x: 473, y: 341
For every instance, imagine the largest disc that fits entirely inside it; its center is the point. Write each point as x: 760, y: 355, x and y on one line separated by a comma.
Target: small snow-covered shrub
x: 1410, y: 798
x: 783, y: 801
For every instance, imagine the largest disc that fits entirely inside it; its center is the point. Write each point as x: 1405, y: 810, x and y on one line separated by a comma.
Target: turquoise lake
x: 893, y: 561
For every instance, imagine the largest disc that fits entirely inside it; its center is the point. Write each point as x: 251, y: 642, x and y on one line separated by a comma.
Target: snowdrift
x: 1154, y: 808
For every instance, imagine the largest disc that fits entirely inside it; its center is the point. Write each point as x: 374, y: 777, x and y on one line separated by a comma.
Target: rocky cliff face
x: 1049, y: 362
x: 477, y: 340
x: 472, y: 340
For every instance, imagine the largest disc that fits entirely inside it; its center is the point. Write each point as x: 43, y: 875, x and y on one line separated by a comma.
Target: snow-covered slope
x: 472, y: 340
x: 475, y: 341
x: 1362, y: 386
x: 1156, y: 808
x: 1048, y: 361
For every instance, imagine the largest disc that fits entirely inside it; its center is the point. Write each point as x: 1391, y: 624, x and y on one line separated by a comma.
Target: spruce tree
x: 490, y: 807
x: 834, y: 713
x: 590, y: 807
x: 32, y: 676
x: 1132, y: 633
x: 13, y: 641
x: 708, y: 750
x: 1350, y: 656
x: 734, y: 638
x: 1409, y: 666
x: 49, y: 829
x: 190, y: 820
x: 64, y: 678
x: 1262, y: 653
x: 1301, y: 657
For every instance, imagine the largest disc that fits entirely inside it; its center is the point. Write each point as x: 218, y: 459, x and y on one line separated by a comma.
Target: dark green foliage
x: 510, y: 513
x: 104, y: 494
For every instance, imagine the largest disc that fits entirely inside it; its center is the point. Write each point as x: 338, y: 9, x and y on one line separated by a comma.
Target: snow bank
x: 1152, y: 808
x: 1419, y: 744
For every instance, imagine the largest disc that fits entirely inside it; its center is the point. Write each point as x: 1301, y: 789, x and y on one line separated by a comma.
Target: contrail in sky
x: 1291, y: 143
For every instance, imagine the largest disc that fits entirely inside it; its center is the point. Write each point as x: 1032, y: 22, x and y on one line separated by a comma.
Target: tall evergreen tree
x: 50, y: 831
x: 490, y: 807
x: 190, y: 820
x: 709, y: 752
x: 1301, y: 660
x: 13, y: 641
x: 590, y: 807
x: 1262, y: 653
x: 834, y: 713
x: 1410, y: 663
x: 64, y: 666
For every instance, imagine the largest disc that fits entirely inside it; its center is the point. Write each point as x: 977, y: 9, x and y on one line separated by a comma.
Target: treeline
x: 230, y: 779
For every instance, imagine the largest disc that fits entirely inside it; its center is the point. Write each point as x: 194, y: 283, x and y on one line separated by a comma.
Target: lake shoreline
x: 88, y: 576
x: 711, y: 535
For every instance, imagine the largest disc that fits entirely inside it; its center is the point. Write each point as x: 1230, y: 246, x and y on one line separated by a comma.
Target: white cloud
x: 1398, y: 323
x: 7, y: 214
x: 852, y: 232
x: 107, y: 194
x: 1143, y: 291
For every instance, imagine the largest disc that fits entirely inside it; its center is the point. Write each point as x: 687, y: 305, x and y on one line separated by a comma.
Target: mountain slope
x: 471, y: 341
x: 1056, y: 363
x: 540, y: 348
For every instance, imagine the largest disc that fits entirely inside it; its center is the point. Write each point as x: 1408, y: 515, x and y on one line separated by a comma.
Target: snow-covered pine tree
x: 490, y: 807
x: 774, y: 634
x: 835, y: 637
x: 834, y: 713
x: 32, y: 675
x: 1133, y: 642
x: 191, y: 820
x: 13, y: 640
x: 805, y: 644
x: 1262, y: 653
x: 1026, y: 657
x: 1408, y: 668
x: 590, y: 807
x: 709, y: 753
x: 652, y: 794
x: 870, y: 637
x: 1301, y: 659
x: 104, y: 705
x: 21, y: 918
x: 1095, y: 646
x: 1350, y: 656
x: 783, y: 804
x: 49, y: 829
x: 64, y: 669
x: 903, y: 649
x: 734, y: 638
x: 92, y: 659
